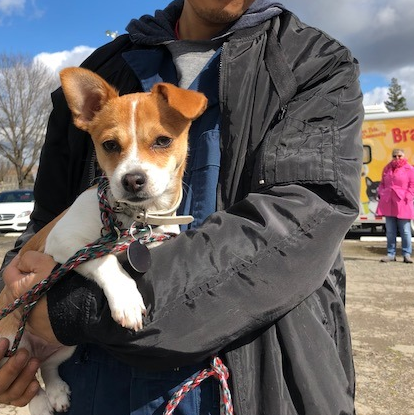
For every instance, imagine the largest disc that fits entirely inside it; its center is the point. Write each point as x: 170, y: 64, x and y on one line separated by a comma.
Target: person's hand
x: 20, y: 276
x: 26, y: 270
x: 17, y: 377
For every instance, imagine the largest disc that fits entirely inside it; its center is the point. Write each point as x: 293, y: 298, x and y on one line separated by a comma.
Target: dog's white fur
x: 138, y: 128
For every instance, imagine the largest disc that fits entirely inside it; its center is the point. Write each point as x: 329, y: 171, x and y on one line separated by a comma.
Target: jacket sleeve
x: 410, y: 188
x: 246, y: 266
x: 382, y: 185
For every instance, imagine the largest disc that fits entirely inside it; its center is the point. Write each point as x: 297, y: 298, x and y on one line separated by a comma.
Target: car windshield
x: 13, y: 197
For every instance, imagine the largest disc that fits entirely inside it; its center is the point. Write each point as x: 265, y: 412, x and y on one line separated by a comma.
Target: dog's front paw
x: 58, y: 394
x: 40, y: 404
x: 127, y: 305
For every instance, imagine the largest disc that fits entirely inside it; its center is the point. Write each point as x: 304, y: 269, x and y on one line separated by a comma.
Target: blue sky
x: 56, y: 25
x: 370, y: 81
x: 380, y: 33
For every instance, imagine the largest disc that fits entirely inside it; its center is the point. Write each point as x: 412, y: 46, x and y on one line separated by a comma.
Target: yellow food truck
x: 381, y: 133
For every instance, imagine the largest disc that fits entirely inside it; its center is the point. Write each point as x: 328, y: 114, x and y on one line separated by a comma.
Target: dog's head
x: 141, y: 139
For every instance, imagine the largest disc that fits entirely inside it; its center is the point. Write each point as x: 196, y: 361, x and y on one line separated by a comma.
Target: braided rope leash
x: 113, y: 240
x: 217, y: 369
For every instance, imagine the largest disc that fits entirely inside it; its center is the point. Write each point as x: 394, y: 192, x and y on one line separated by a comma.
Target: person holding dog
x: 273, y: 184
x: 396, y: 194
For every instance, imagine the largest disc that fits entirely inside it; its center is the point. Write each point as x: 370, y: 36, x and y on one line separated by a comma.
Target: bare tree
x: 25, y: 104
x: 4, y: 168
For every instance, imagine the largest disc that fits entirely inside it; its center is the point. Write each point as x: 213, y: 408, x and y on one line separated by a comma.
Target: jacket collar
x: 159, y: 29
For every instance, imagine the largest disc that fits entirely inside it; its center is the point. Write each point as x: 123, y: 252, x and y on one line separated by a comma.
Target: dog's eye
x: 162, y: 142
x: 111, y: 146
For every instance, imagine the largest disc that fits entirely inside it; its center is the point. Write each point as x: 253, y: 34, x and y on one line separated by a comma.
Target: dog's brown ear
x: 190, y: 104
x: 86, y: 93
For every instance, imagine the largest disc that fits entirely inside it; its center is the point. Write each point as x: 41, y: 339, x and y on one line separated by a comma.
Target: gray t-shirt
x: 190, y: 57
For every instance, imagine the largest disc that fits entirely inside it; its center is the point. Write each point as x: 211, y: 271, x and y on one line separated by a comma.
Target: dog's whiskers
x: 186, y: 187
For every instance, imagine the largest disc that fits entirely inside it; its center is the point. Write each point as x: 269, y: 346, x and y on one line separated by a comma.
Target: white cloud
x: 59, y: 60
x: 380, y: 34
x: 387, y: 17
x: 376, y: 96
x: 11, y: 6
x: 405, y: 77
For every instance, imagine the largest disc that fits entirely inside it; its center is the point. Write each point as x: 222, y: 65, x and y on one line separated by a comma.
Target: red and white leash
x: 217, y: 369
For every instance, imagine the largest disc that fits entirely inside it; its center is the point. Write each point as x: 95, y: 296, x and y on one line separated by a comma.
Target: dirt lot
x: 380, y: 306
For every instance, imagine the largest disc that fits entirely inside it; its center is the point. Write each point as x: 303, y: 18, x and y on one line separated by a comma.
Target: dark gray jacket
x: 262, y: 280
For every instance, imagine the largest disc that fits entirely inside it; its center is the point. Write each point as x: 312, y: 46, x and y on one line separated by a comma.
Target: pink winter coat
x: 396, y: 192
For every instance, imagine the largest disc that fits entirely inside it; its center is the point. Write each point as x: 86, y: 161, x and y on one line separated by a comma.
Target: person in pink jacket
x: 396, y: 193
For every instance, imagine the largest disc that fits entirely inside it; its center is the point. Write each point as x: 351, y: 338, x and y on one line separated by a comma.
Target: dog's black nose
x: 134, y: 182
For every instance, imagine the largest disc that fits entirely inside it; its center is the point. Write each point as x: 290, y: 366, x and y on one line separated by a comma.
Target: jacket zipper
x: 280, y: 116
x: 219, y: 196
x: 92, y: 168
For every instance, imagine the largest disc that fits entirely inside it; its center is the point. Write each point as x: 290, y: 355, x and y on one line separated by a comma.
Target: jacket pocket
x: 298, y: 155
x: 400, y: 192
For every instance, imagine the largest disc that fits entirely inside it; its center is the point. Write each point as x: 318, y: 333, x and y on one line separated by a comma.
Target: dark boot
x: 407, y: 259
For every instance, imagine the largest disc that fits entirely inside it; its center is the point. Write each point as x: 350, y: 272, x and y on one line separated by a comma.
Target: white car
x: 15, y: 209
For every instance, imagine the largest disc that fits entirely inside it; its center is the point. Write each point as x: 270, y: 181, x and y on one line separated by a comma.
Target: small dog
x: 141, y: 143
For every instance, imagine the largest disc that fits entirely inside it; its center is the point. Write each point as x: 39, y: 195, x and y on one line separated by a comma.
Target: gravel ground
x: 380, y: 305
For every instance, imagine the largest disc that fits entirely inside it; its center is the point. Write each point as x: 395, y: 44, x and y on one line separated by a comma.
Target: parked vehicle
x: 381, y: 133
x: 15, y: 209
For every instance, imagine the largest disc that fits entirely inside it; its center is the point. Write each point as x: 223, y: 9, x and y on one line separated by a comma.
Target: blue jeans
x: 101, y: 385
x: 404, y: 227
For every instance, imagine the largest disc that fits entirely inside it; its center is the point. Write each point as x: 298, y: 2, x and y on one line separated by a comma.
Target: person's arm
x: 382, y: 185
x: 410, y: 188
x: 231, y: 287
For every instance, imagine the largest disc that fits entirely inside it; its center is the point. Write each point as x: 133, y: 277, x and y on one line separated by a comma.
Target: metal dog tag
x: 139, y: 257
